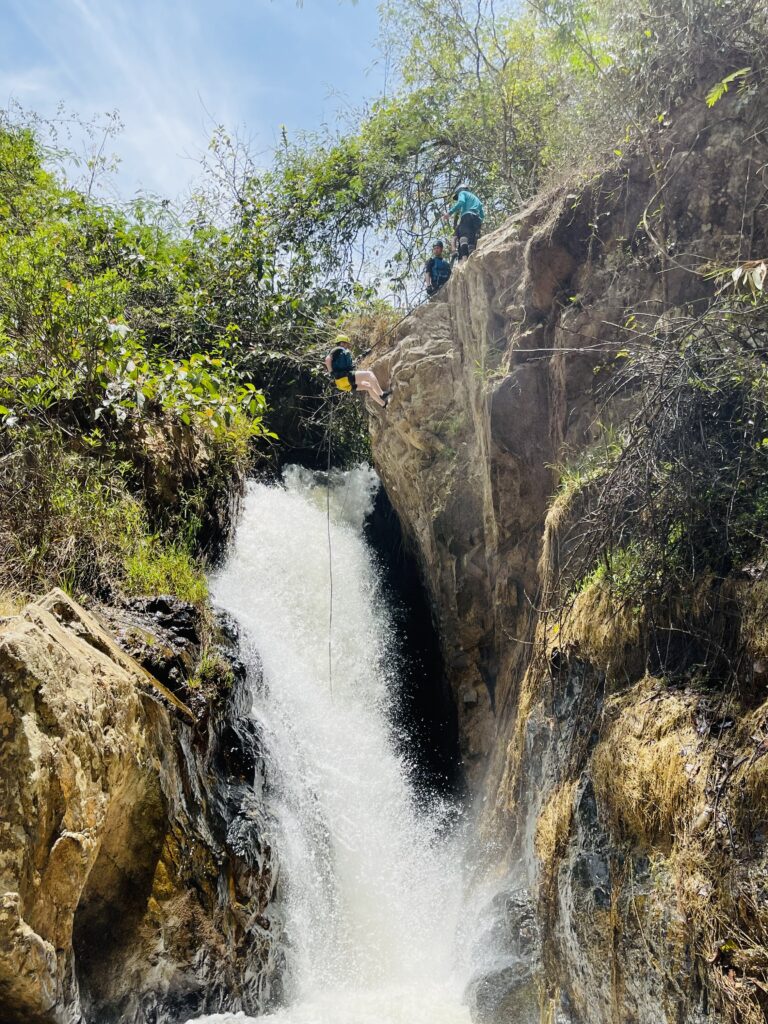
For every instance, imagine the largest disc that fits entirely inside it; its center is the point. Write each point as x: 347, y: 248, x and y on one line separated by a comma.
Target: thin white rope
x: 330, y: 554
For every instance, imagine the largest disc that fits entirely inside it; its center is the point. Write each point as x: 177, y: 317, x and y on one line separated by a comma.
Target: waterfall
x: 371, y: 881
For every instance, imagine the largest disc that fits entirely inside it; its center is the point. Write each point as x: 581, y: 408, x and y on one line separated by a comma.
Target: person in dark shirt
x: 437, y: 271
x: 341, y: 365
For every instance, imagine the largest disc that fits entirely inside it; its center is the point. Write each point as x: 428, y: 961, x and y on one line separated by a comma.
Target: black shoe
x: 386, y: 395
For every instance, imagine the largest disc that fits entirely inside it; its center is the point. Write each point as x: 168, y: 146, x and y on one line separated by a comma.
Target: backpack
x: 342, y: 362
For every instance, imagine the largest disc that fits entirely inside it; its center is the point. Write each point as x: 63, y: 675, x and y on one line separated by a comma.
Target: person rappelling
x: 340, y: 364
x: 468, y: 214
x: 437, y: 270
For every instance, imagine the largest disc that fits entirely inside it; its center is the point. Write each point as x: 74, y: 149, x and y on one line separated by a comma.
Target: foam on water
x: 370, y: 883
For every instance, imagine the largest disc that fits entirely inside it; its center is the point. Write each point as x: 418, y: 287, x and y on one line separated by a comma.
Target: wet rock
x: 161, y: 633
x: 509, y: 993
x: 135, y: 859
x: 506, y: 984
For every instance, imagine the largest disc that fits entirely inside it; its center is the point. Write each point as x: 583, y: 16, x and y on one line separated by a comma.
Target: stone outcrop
x: 135, y: 872
x: 496, y: 384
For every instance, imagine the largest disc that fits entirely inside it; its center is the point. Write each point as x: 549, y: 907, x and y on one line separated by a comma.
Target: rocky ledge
x: 135, y: 872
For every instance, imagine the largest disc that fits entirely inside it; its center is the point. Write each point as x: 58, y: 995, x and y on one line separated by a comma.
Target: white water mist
x: 370, y: 883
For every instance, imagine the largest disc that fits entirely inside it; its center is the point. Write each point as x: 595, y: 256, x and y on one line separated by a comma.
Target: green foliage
x: 156, y: 569
x: 69, y: 519
x: 476, y: 91
x: 747, y: 280
x: 214, y: 673
x: 506, y: 97
x: 65, y: 520
x: 124, y: 405
x: 592, y: 462
x: 719, y: 89
x: 77, y: 333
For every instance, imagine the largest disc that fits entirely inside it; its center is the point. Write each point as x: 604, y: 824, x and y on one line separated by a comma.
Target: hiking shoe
x: 386, y: 395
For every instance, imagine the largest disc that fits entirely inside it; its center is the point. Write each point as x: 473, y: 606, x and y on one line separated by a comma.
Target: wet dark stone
x: 239, y: 752
x: 161, y: 633
x: 228, y: 629
x: 182, y: 620
x: 592, y: 875
x: 426, y: 717
x: 508, y: 994
x: 229, y: 645
x: 505, y: 986
x: 591, y: 867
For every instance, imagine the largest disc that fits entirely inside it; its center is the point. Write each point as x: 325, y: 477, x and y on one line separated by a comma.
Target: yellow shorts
x: 344, y: 384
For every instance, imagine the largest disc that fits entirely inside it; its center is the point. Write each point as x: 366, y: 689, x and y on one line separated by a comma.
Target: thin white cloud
x: 175, y: 68
x: 35, y: 81
x: 137, y: 58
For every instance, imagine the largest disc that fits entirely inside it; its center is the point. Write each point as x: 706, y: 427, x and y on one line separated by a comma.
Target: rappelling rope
x: 394, y: 327
x: 328, y: 504
x: 330, y: 553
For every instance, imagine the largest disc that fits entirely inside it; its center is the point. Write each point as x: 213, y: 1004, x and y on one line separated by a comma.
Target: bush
x: 685, y: 494
x: 155, y: 569
x: 126, y: 412
x: 65, y: 520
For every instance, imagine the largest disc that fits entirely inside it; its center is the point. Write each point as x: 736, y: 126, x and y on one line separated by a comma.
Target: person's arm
x: 458, y: 206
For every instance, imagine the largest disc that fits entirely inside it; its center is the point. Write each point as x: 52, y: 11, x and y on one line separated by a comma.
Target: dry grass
x: 672, y: 790
x: 602, y: 631
x: 372, y: 330
x: 693, y: 800
x: 753, y: 601
x: 553, y: 828
x: 680, y: 769
x: 510, y: 784
x: 11, y: 603
x: 648, y: 770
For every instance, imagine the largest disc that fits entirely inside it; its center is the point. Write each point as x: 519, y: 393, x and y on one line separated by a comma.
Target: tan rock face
x: 494, y: 381
x: 119, y: 890
x: 494, y: 387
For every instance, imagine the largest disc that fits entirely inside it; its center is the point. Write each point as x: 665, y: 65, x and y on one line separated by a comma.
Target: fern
x: 719, y: 89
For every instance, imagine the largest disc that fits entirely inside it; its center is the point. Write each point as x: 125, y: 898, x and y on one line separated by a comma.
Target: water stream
x: 371, y: 881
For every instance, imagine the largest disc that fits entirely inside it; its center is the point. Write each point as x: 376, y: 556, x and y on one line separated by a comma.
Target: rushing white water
x: 371, y: 884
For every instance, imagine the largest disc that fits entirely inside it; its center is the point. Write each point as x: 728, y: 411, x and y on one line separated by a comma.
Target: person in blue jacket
x: 437, y: 271
x: 469, y: 214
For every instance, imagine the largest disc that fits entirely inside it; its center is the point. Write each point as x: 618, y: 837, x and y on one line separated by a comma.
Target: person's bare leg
x: 367, y: 387
x: 367, y: 379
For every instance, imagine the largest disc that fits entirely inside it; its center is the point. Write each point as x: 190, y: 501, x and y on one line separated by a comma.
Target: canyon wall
x: 496, y: 385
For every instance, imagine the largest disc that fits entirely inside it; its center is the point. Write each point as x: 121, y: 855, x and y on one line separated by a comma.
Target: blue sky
x: 175, y: 68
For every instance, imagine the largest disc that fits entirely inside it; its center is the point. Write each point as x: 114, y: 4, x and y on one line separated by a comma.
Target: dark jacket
x: 439, y: 271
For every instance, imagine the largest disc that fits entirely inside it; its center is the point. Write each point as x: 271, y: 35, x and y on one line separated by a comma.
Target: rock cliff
x: 135, y: 875
x: 495, y: 386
